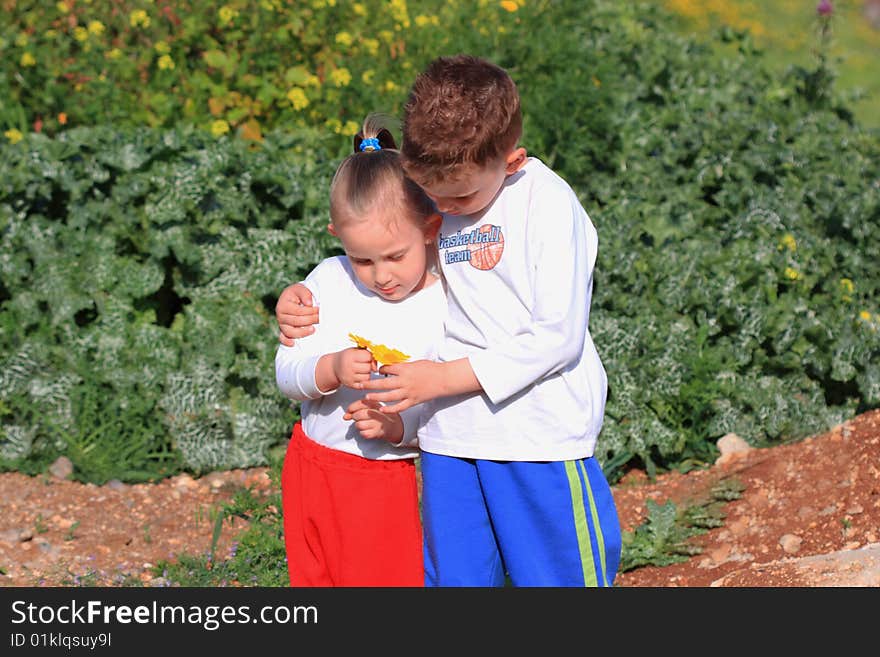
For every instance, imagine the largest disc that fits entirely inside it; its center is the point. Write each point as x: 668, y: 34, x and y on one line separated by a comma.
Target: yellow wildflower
x: 139, y: 18
x: 847, y: 285
x: 162, y: 48
x: 80, y: 34
x: 791, y: 274
x: 297, y: 98
x: 219, y: 127
x: 359, y: 9
x: 399, y: 12
x: 865, y: 315
x: 114, y: 53
x: 50, y: 33
x: 788, y: 242
x: 63, y: 7
x: 367, y: 76
x: 390, y: 87
x: 227, y: 14
x: 350, y: 128
x: 344, y: 39
x: 166, y: 63
x: 340, y: 77
x: 422, y: 20
x: 21, y: 40
x: 14, y: 136
x: 27, y: 59
x: 509, y: 5
x: 96, y: 28
x: 371, y: 46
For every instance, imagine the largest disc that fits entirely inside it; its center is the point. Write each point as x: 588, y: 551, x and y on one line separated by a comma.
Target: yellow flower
x: 865, y: 315
x: 297, y: 98
x: 371, y: 46
x: 63, y: 7
x: 219, y: 127
x: 344, y: 39
x: 382, y: 354
x: 788, y: 242
x: 791, y: 274
x: 387, y: 356
x: 367, y: 76
x: 359, y: 9
x: 847, y: 285
x: 509, y: 5
x: 227, y: 14
x: 422, y: 20
x: 390, y: 87
x: 350, y: 128
x: 27, y: 59
x: 80, y: 34
x: 21, y: 40
x: 139, y: 17
x: 399, y: 12
x: 362, y: 343
x: 96, y: 28
x: 115, y: 53
x: 14, y: 136
x: 162, y: 48
x: 166, y: 63
x: 340, y: 77
x: 50, y: 34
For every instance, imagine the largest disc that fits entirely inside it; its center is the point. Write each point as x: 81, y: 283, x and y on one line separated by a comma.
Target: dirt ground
x: 802, y: 504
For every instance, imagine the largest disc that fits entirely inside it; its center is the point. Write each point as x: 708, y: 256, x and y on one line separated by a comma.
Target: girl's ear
x: 515, y: 160
x: 432, y: 227
x: 331, y: 230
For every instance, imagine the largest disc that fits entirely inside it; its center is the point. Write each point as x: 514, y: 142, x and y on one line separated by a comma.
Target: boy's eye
x: 360, y: 261
x: 396, y: 256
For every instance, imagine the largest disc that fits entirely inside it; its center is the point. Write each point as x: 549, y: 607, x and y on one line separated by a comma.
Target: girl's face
x: 390, y: 257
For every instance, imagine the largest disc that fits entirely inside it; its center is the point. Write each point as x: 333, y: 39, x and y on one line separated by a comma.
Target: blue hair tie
x: 370, y: 144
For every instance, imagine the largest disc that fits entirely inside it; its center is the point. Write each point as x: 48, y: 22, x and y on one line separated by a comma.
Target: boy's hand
x: 408, y: 384
x: 353, y: 366
x: 295, y: 313
x: 373, y: 423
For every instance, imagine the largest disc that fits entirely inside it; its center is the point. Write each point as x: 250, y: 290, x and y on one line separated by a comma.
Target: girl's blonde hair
x: 373, y: 174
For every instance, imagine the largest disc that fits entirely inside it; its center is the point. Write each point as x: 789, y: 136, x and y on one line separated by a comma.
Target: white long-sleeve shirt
x: 413, y: 325
x: 519, y: 285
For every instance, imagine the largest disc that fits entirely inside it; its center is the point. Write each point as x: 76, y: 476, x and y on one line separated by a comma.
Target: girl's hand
x: 295, y: 314
x: 372, y: 423
x: 352, y: 367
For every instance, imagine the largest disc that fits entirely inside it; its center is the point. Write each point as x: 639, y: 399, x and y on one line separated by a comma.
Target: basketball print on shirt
x: 481, y: 247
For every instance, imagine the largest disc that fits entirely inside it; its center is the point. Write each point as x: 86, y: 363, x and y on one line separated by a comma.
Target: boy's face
x: 475, y: 187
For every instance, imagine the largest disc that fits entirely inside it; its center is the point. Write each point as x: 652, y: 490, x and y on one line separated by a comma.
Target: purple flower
x: 825, y: 8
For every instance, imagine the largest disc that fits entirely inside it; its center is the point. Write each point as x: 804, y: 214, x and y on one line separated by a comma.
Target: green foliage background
x: 141, y: 255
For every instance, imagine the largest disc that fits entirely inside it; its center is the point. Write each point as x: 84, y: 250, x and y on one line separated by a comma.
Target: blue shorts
x: 548, y: 523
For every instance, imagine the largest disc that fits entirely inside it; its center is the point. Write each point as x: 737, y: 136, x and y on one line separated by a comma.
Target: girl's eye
x: 396, y: 257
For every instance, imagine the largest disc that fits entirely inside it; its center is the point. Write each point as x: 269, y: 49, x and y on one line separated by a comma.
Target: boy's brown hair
x: 461, y: 110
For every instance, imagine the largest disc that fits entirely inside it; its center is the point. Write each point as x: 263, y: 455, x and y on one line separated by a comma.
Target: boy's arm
x: 421, y: 380
x: 566, y: 245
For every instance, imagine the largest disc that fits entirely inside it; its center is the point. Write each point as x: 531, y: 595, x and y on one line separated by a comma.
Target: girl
x: 349, y: 495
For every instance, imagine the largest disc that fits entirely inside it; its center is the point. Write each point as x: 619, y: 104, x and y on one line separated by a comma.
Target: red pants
x: 349, y: 521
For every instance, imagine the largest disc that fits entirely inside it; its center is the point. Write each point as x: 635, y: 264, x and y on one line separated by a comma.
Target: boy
x: 515, y: 403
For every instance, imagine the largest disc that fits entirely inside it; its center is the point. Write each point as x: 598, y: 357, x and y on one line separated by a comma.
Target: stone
x: 62, y: 468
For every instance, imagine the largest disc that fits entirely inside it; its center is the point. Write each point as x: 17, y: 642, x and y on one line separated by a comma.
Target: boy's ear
x: 516, y: 160
x: 432, y: 227
x: 331, y: 230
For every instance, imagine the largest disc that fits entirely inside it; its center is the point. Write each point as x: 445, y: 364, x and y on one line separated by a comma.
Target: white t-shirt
x: 519, y: 283
x: 413, y: 325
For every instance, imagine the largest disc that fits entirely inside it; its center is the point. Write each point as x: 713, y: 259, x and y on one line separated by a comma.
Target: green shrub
x: 737, y: 279
x: 140, y: 271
